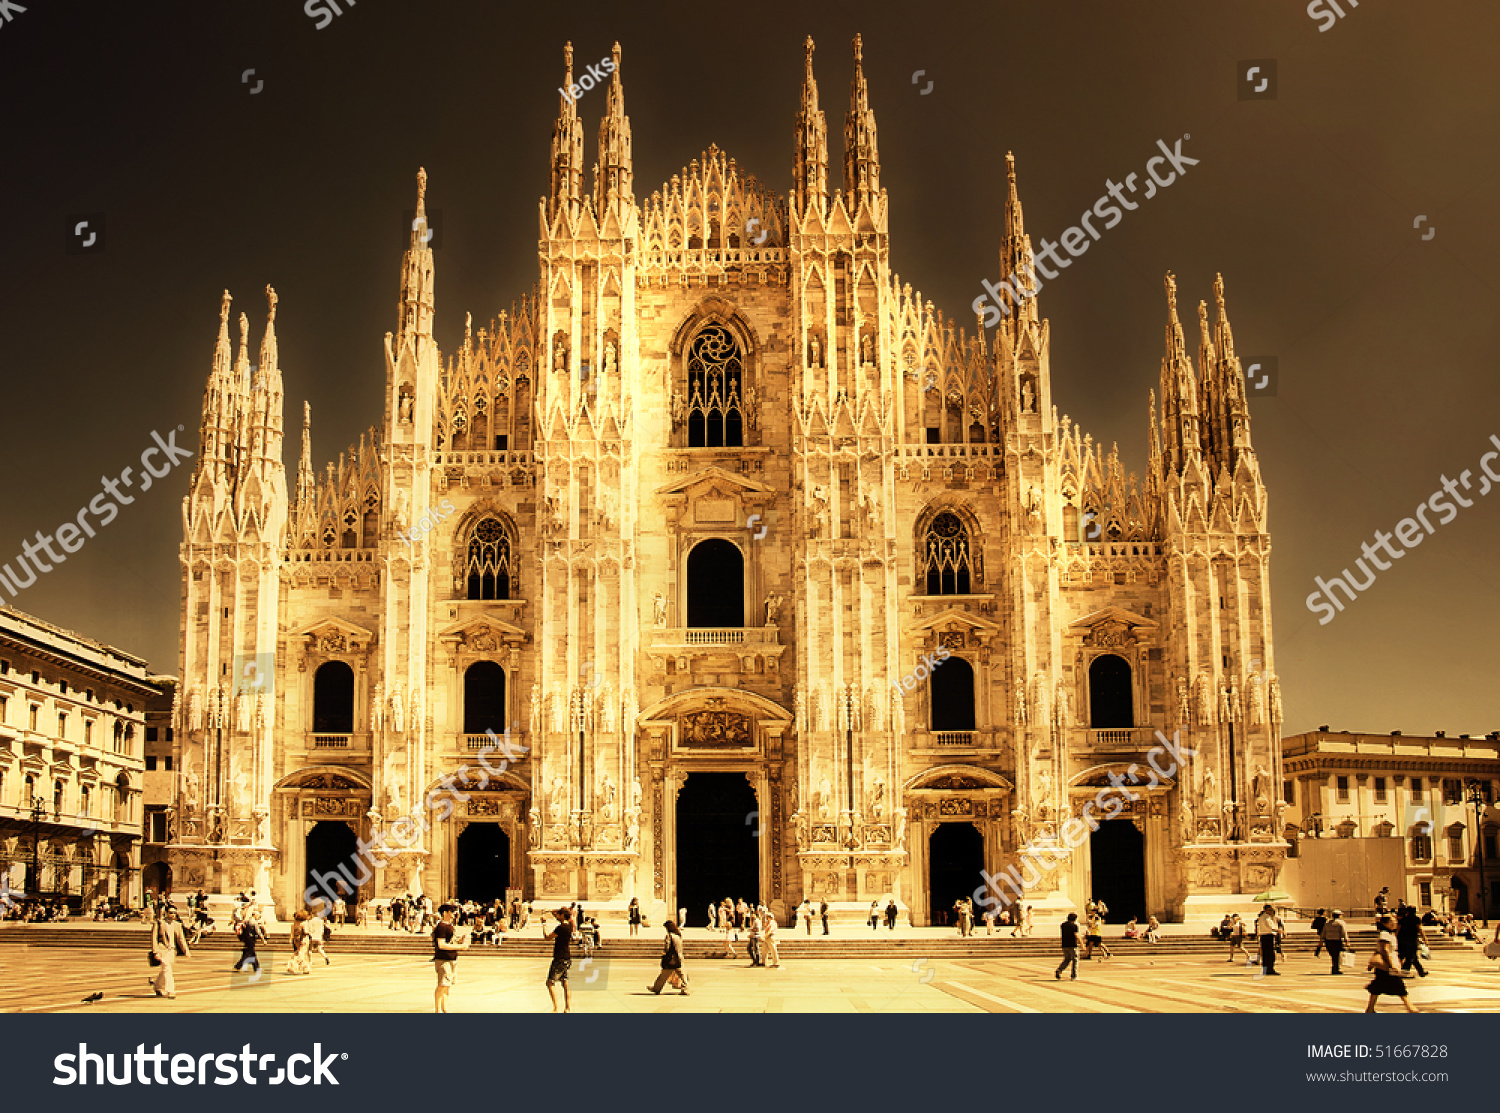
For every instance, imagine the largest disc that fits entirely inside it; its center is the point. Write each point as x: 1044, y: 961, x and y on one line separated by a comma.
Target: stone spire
x: 1179, y: 391
x: 861, y: 155
x: 1230, y: 383
x: 567, y: 148
x: 306, y: 479
x: 613, y: 190
x: 415, y: 310
x: 810, y: 173
x: 220, y: 401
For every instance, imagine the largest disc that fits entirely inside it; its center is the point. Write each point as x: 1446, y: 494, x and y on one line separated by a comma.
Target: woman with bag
x: 301, y: 945
x: 1389, y: 979
x: 671, y: 962
x: 168, y: 943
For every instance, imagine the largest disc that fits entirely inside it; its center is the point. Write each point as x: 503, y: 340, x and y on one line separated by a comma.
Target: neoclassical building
x: 675, y: 528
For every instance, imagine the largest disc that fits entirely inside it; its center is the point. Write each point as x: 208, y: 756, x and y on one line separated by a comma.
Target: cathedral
x: 722, y: 565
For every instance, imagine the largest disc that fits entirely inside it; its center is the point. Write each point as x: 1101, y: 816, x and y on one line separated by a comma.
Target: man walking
x: 1269, y: 928
x: 250, y: 933
x: 1069, y: 946
x: 823, y: 912
x: 1336, y: 939
x: 317, y: 932
x: 562, y: 958
x: 1319, y: 922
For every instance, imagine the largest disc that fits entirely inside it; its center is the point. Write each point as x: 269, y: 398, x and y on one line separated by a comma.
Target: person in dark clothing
x: 562, y: 958
x: 1409, y: 940
x: 891, y: 912
x: 250, y: 933
x: 823, y: 913
x: 1319, y: 922
x: 1069, y: 946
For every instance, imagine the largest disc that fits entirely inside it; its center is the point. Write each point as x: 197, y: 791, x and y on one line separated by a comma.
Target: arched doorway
x: 955, y: 857
x: 716, y: 584
x: 717, y: 849
x: 158, y: 877
x: 334, y: 867
x: 1117, y: 859
x: 482, y: 870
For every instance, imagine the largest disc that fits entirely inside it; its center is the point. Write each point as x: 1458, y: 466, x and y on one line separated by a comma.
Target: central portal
x: 1117, y: 855
x: 483, y: 872
x: 718, y: 825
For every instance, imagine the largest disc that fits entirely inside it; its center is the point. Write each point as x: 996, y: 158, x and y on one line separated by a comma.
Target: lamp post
x: 38, y: 810
x: 1476, y: 797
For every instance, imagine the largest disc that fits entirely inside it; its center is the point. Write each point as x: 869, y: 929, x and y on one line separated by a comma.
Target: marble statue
x: 659, y: 608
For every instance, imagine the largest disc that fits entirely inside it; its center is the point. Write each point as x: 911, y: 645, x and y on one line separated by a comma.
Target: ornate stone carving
x: 714, y: 729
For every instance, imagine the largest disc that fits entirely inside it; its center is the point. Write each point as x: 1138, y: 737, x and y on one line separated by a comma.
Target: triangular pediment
x: 1111, y: 614
x: 952, y: 618
x: 475, y: 631
x: 715, y: 475
x: 333, y: 625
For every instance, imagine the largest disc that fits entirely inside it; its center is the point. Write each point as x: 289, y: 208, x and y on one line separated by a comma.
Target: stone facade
x: 703, y: 499
x: 72, y: 715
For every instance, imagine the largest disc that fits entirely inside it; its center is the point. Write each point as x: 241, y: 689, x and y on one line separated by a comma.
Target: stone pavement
x: 55, y: 979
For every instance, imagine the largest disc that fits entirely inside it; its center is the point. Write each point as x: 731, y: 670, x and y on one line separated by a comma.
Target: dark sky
x: 1385, y: 342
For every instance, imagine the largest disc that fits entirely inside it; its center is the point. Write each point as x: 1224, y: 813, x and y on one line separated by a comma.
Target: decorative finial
x: 568, y: 58
x: 808, y: 48
x: 1010, y: 165
x: 1172, y: 292
x: 224, y: 308
x: 306, y: 415
x: 615, y: 54
x: 1219, y: 292
x: 1203, y: 317
x: 859, y: 49
x: 271, y: 300
x: 421, y: 185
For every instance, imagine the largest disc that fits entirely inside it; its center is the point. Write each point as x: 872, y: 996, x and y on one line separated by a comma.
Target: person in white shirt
x: 1269, y: 928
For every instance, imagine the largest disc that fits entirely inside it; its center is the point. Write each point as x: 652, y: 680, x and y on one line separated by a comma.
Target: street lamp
x: 1476, y: 797
x: 38, y: 810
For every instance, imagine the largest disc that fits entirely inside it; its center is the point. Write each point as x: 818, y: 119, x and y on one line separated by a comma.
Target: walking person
x: 1235, y: 933
x: 891, y: 912
x: 1336, y: 939
x: 671, y: 962
x: 874, y: 915
x: 633, y: 913
x: 768, y: 938
x: 1319, y: 922
x: 447, y: 941
x: 752, y: 936
x: 1269, y: 928
x: 1069, y: 946
x: 1094, y: 937
x: 250, y: 933
x: 713, y: 916
x: 562, y: 958
x: 168, y: 944
x: 1389, y: 979
x: 728, y: 928
x: 1410, y: 939
x: 807, y: 914
x: 301, y: 962
x: 317, y: 932
x: 823, y: 914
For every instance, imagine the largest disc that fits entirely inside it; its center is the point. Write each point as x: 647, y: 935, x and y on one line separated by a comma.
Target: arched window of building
x: 57, y: 797
x: 945, y: 566
x: 1111, y: 700
x: 716, y: 584
x: 488, y: 567
x: 484, y: 698
x: 333, y: 699
x: 951, y: 688
x: 715, y: 411
x: 122, y: 798
x: 84, y: 800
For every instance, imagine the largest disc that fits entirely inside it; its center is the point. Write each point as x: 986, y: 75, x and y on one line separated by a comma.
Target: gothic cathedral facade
x: 722, y: 565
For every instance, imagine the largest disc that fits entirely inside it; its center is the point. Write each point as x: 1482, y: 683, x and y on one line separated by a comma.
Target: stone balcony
x: 758, y: 648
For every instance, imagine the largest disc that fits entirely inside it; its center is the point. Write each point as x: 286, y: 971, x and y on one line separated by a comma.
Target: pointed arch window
x: 715, y: 408
x: 946, y: 560
x: 488, y: 569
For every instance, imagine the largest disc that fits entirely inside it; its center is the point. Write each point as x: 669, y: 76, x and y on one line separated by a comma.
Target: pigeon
x: 92, y: 997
